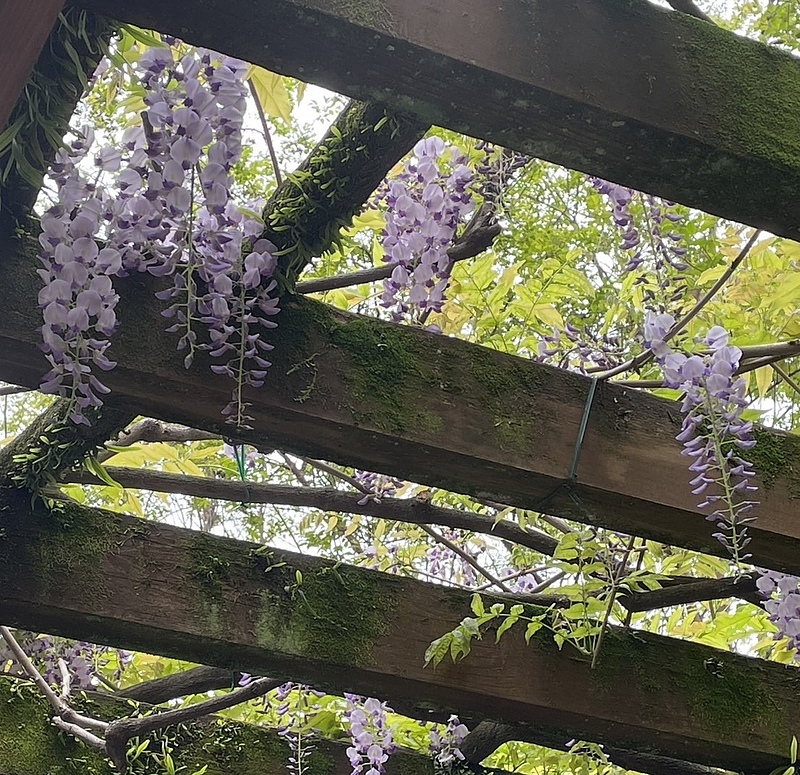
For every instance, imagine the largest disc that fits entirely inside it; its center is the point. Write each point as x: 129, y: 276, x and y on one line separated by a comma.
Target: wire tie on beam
x: 572, y: 476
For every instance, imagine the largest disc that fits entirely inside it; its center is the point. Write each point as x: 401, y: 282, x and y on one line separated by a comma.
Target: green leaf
x: 505, y: 625
x: 141, y: 36
x: 271, y: 92
x: 96, y: 468
x: 435, y: 653
x: 476, y: 604
x: 532, y: 628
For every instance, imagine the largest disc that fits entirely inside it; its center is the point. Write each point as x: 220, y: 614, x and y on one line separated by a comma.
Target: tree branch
x: 121, y: 731
x: 413, y: 510
x: 477, y: 237
x: 193, y: 681
x: 304, y: 215
x: 693, y: 591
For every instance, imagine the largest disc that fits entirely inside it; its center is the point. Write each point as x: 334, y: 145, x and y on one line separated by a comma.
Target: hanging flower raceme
x: 172, y: 215
x: 78, y: 299
x: 664, y: 246
x: 446, y: 748
x: 424, y: 209
x: 713, y: 432
x: 372, y: 739
x: 782, y: 602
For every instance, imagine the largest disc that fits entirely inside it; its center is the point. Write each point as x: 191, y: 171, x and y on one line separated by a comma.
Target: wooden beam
x: 650, y: 98
x: 127, y: 582
x: 430, y: 409
x: 31, y: 745
x: 24, y: 27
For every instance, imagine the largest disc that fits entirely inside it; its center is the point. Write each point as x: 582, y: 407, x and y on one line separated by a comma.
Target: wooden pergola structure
x: 650, y: 98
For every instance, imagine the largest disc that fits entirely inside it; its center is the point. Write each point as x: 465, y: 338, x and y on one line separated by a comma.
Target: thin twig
x: 337, y: 474
x: 644, y: 357
x: 612, y: 596
x: 786, y: 377
x: 79, y: 732
x: 469, y: 559
x: 267, y: 134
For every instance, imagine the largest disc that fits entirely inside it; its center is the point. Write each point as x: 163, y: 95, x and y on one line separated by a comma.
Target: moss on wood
x: 30, y: 745
x: 304, y: 216
x: 776, y: 457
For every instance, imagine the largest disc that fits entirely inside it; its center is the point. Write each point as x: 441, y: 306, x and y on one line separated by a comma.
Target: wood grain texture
x: 622, y: 89
x: 429, y: 409
x: 24, y: 27
x: 131, y: 583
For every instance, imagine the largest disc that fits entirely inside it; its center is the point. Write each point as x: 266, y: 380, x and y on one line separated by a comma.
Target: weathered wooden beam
x: 127, y: 582
x: 24, y: 27
x: 41, y: 115
x: 304, y: 216
x: 430, y: 409
x: 651, y: 98
x: 31, y: 745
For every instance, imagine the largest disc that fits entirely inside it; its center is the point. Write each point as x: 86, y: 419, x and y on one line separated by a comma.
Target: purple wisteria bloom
x: 782, y: 601
x: 424, y: 209
x: 446, y: 747
x: 170, y: 214
x: 372, y: 739
x: 663, y: 245
x: 83, y: 660
x: 78, y: 299
x: 713, y: 433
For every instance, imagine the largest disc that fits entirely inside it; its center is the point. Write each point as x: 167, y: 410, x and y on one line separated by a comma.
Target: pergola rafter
x: 22, y: 35
x: 433, y: 410
x: 157, y: 588
x: 622, y: 89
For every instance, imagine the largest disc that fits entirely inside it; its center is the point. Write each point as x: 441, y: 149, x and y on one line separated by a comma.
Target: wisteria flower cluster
x: 169, y: 212
x: 372, y: 739
x: 665, y: 246
x: 580, y: 349
x: 443, y: 562
x: 713, y: 431
x: 424, y: 209
x: 81, y: 658
x: 379, y: 486
x: 782, y: 601
x: 78, y: 300
x: 446, y: 747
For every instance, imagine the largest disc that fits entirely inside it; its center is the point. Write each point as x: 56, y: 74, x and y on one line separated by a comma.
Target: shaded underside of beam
x: 653, y: 99
x: 430, y: 409
x: 127, y: 582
